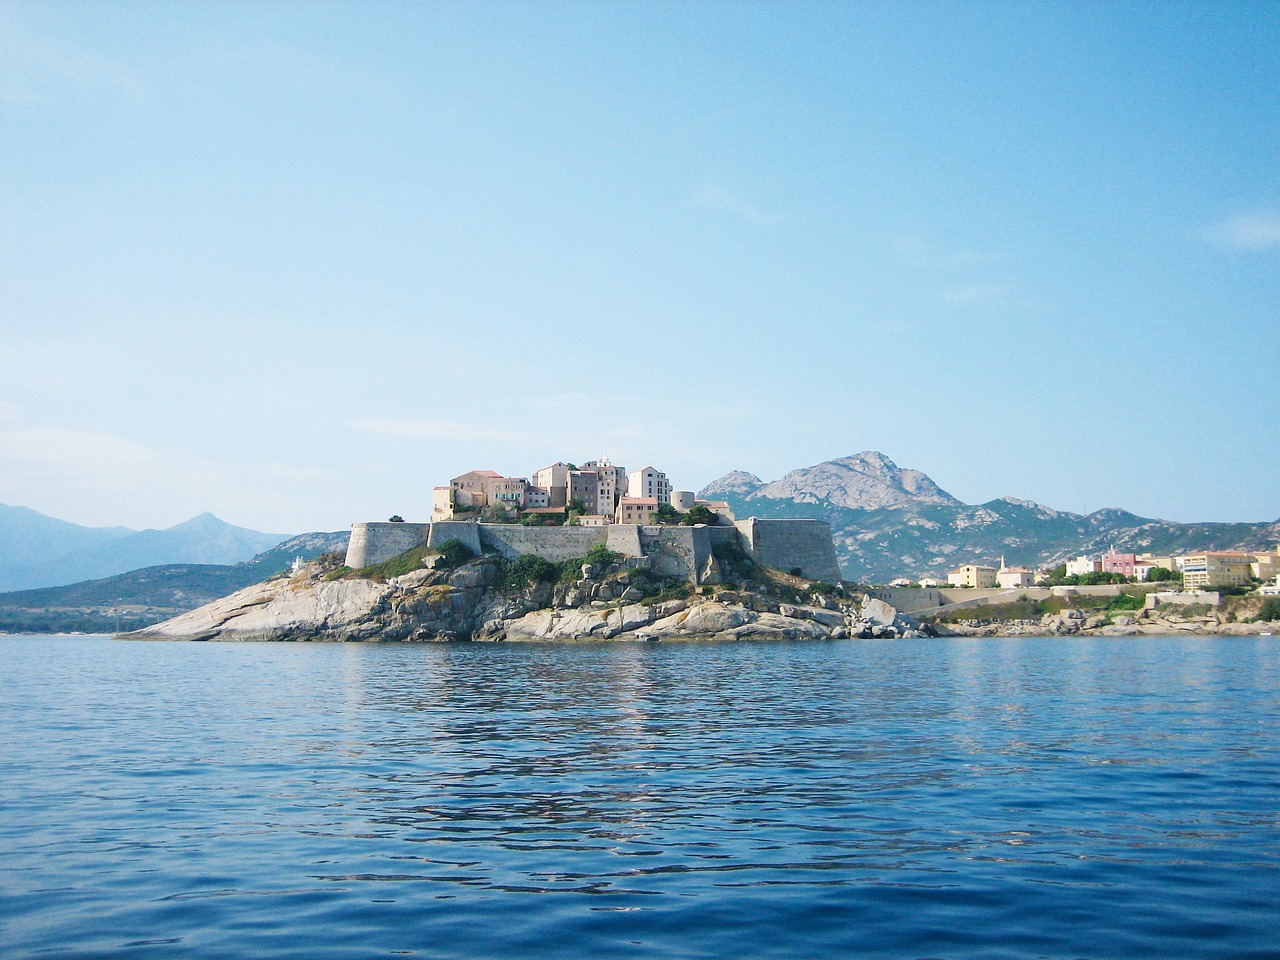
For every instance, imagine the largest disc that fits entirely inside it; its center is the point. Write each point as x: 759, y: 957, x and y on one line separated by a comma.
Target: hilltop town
x: 567, y: 511
x: 593, y: 495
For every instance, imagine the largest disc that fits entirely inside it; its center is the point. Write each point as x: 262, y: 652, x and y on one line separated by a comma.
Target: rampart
x: 685, y: 552
x: 556, y: 544
x: 372, y: 543
x: 803, y: 545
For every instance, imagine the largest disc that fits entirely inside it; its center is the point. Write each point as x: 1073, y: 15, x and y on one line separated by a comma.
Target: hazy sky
x: 296, y: 264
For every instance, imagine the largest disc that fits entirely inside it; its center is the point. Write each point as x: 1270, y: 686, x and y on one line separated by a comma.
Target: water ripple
x: 961, y: 798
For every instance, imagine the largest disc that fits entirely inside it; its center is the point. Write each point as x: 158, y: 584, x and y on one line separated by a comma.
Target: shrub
x: 1270, y: 609
x: 600, y: 554
x: 454, y: 553
x: 527, y: 569
x: 1126, y: 601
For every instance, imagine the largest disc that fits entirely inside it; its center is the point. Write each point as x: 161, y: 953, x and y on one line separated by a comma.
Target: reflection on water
x: 949, y: 798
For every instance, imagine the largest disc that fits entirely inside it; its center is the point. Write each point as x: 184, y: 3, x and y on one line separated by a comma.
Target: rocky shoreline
x: 470, y: 602
x: 614, y: 601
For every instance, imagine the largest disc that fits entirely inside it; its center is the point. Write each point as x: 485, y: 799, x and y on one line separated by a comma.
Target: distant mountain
x: 40, y: 551
x: 28, y: 537
x: 889, y: 522
x: 142, y: 597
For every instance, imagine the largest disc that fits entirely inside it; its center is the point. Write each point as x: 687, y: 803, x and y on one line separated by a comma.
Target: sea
x: 966, y: 798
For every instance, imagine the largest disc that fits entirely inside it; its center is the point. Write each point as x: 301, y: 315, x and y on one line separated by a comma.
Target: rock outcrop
x: 604, y: 602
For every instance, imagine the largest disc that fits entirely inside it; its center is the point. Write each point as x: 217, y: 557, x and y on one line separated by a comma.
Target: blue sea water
x: 1101, y: 797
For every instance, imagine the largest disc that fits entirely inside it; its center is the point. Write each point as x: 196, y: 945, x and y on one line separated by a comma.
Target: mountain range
x: 40, y: 551
x: 139, y: 598
x: 890, y: 522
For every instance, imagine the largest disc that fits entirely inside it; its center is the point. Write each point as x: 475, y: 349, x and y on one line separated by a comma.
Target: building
x: 471, y: 490
x: 555, y: 480
x: 441, y: 503
x: 972, y: 575
x: 1121, y: 563
x: 584, y: 489
x: 931, y: 582
x: 611, y: 483
x: 1082, y: 565
x: 1266, y: 566
x: 649, y: 482
x: 1013, y: 577
x: 683, y: 500
x: 637, y: 509
x: 1225, y: 568
x: 594, y: 520
x: 1147, y: 562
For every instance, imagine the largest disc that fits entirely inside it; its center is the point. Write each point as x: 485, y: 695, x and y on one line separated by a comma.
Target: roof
x: 639, y: 501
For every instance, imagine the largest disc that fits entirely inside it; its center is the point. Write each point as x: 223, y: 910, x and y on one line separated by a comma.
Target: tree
x: 395, y: 518
x: 668, y: 514
x: 699, y: 513
x: 1162, y: 575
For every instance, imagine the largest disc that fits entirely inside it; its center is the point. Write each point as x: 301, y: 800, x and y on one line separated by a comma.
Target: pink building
x: 1121, y: 563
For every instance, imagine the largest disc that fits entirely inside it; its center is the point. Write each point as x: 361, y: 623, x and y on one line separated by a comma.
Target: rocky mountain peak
x: 737, y: 482
x: 863, y: 481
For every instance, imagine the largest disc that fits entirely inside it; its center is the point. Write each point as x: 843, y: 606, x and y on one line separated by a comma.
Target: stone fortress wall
x: 685, y: 552
x: 788, y: 545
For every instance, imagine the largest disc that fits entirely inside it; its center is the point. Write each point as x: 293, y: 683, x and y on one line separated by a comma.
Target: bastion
x: 685, y: 552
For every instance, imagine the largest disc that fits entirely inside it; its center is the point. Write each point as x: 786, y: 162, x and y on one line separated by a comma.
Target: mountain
x: 864, y: 481
x: 41, y: 551
x: 889, y: 522
x: 28, y: 537
x: 139, y: 598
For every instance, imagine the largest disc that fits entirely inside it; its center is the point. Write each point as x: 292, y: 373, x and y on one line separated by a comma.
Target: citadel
x: 567, y: 510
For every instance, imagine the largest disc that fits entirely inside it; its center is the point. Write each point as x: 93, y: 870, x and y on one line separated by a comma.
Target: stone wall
x: 790, y: 544
x: 467, y: 532
x: 372, y: 543
x: 684, y: 552
x: 556, y: 544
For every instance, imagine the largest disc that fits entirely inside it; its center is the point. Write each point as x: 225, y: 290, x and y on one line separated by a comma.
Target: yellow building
x: 637, y: 509
x: 1225, y: 568
x: 972, y: 575
x: 1266, y: 566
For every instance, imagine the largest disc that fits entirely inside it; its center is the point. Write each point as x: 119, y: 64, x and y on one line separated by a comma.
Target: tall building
x: 649, y: 482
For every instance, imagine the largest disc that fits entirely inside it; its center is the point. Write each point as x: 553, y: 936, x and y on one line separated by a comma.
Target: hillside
x: 41, y: 551
x: 139, y: 598
x: 889, y: 522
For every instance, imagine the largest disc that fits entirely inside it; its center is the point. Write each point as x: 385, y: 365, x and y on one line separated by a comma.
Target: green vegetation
x: 526, y: 570
x: 1126, y: 601
x: 395, y: 518
x: 453, y: 553
x: 667, y: 515
x: 1163, y: 575
x: 1096, y: 578
x: 700, y: 514
x: 397, y: 566
x: 733, y: 560
x: 1270, y: 609
x: 602, y: 555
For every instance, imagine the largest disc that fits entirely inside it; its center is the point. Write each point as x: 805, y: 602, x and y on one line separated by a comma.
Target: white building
x: 1082, y: 565
x: 649, y: 482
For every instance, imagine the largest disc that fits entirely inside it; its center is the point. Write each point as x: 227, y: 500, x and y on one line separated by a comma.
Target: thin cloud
x: 718, y: 198
x: 1250, y: 231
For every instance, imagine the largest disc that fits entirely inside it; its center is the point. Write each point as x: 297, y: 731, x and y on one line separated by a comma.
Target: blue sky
x: 296, y: 264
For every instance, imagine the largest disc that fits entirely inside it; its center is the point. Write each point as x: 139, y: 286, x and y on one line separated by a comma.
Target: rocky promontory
x: 488, y: 598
